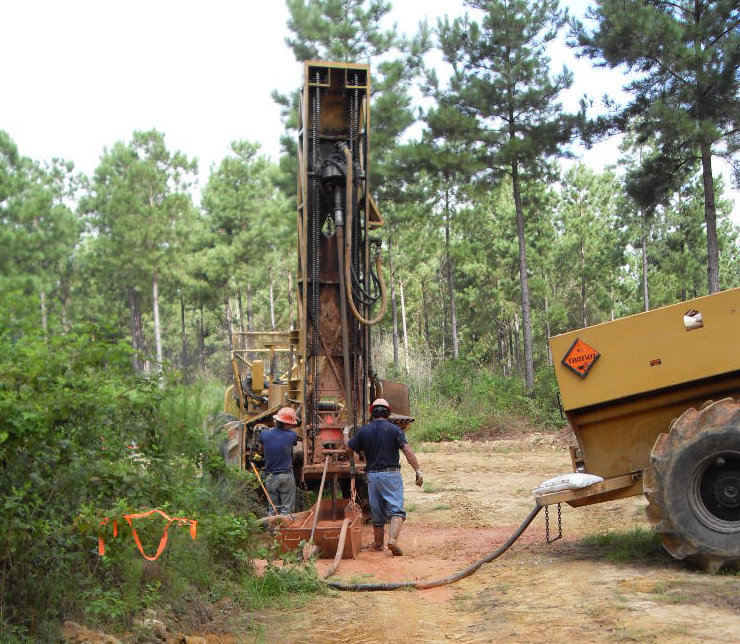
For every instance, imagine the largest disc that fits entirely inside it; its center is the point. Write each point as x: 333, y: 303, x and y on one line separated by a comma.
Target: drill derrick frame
x: 334, y: 347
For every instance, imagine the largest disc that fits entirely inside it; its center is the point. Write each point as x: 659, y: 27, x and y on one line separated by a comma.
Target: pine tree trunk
x: 272, y: 304
x: 65, y: 324
x: 250, y: 318
x: 501, y: 337
x: 134, y: 300
x: 184, y: 355
x: 710, y: 217
x: 229, y: 324
x: 241, y: 313
x: 250, y: 326
x: 645, y: 291
x: 394, y: 308
x: 44, y: 315
x: 611, y: 296
x: 425, y: 316
x: 157, y: 327
x: 524, y: 280
x: 450, y: 278
x: 547, y: 325
x: 273, y: 360
x: 584, y: 313
x: 405, y: 337
x: 444, y: 318
x: 511, y: 360
x: 201, y: 341
x: 517, y: 348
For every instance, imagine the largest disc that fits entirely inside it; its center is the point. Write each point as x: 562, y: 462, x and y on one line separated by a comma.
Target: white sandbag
x: 573, y: 481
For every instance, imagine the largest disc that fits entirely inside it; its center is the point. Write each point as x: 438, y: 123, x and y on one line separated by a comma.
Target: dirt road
x: 475, y: 495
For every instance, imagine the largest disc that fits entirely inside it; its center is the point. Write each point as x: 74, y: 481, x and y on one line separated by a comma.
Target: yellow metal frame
x: 651, y: 369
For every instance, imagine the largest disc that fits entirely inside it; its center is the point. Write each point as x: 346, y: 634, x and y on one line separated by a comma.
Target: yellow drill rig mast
x: 340, y: 290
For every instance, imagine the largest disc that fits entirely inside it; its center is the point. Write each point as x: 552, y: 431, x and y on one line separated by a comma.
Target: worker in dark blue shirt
x: 381, y: 440
x: 276, y: 445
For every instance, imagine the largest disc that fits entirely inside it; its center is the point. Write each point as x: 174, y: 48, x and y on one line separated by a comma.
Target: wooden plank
x: 607, y: 485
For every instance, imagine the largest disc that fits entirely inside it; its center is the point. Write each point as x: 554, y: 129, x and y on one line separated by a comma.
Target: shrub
x: 464, y: 396
x: 83, y: 438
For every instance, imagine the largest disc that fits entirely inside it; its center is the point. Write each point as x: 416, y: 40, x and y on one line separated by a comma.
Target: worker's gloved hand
x: 419, y: 478
x: 258, y: 460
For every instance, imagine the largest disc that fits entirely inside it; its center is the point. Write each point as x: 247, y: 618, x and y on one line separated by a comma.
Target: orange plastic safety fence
x: 162, y: 542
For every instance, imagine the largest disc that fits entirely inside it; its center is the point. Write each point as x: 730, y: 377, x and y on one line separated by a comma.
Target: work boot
x: 393, y: 532
x: 378, y: 533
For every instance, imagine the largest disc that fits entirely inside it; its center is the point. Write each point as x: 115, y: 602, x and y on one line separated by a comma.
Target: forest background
x: 120, y: 288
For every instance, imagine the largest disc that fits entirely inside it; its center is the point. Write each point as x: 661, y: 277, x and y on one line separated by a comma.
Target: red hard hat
x: 380, y: 402
x: 287, y: 416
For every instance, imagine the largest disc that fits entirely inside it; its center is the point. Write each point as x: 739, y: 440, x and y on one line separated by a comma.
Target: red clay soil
x: 475, y: 495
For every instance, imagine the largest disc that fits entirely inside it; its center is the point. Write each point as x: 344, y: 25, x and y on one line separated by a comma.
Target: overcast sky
x: 79, y: 75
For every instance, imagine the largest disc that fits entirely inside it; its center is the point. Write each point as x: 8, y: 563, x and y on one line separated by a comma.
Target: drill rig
x: 328, y: 379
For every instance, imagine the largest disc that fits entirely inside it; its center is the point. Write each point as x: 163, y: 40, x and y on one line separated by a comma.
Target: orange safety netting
x: 162, y: 542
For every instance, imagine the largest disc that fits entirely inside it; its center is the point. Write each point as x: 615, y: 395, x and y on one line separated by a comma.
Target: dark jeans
x: 281, y: 488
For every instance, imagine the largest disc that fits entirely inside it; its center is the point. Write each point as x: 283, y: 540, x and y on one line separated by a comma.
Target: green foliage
x: 503, y: 105
x: 338, y: 30
x: 465, y: 398
x: 84, y: 438
x: 72, y: 408
x: 247, y: 229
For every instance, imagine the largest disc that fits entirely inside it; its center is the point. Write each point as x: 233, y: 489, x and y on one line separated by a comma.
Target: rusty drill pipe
x: 340, y: 549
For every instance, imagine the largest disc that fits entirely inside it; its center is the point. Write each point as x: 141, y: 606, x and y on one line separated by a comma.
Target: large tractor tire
x: 693, y: 486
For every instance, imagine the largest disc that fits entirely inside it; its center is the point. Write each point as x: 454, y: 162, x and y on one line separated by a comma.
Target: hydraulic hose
x: 339, y: 223
x: 443, y: 581
x: 347, y: 254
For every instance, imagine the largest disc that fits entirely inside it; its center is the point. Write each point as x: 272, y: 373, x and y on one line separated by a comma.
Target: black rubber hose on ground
x: 451, y: 579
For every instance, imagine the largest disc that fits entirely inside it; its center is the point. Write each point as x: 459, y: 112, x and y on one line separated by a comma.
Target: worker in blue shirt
x: 276, y: 445
x: 381, y: 440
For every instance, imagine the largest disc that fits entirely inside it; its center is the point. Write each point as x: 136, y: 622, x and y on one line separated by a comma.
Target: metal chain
x: 560, y: 523
x: 547, y: 525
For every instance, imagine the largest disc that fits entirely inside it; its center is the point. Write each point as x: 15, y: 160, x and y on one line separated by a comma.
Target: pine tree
x: 590, y: 243
x: 138, y: 194
x: 685, y: 94
x: 39, y: 230
x: 248, y: 228
x: 501, y: 82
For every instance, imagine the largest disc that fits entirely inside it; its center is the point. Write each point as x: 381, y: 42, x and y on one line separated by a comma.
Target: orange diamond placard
x: 580, y: 358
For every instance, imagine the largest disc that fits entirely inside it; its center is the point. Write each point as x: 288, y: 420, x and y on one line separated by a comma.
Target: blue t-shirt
x: 278, y: 447
x: 380, y: 439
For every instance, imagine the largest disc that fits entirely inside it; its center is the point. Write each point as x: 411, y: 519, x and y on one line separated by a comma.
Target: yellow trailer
x: 654, y: 402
